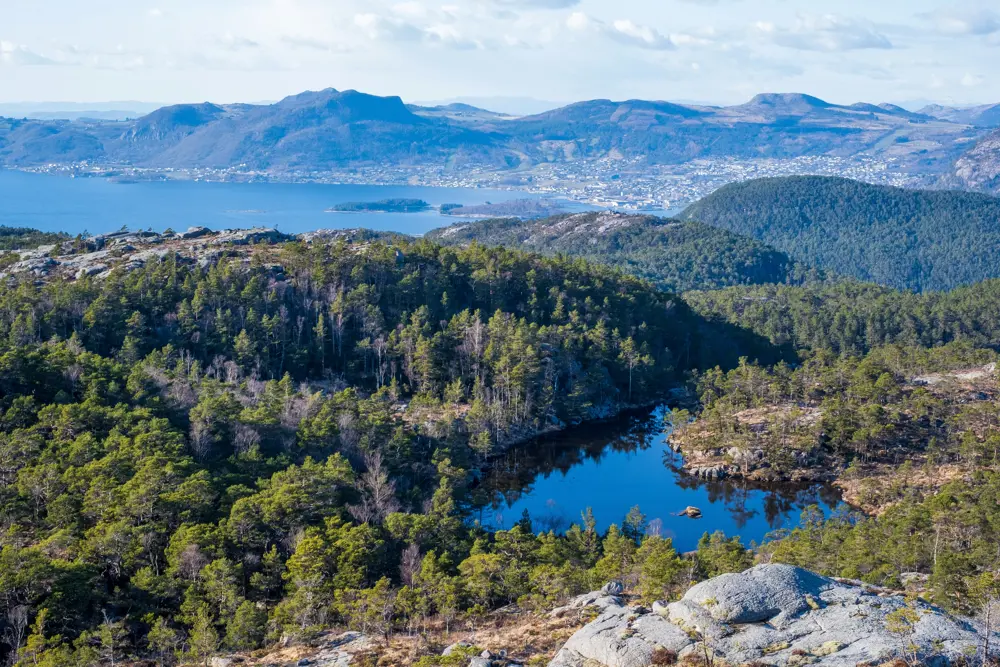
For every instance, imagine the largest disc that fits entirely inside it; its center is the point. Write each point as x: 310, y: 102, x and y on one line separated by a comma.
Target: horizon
x: 499, y: 104
x: 717, y: 51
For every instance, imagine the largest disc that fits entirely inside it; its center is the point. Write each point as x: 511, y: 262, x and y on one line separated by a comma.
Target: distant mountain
x: 459, y: 113
x: 677, y: 256
x: 310, y: 131
x: 986, y: 115
x: 510, y: 106
x: 330, y: 129
x: 910, y: 239
x: 76, y: 110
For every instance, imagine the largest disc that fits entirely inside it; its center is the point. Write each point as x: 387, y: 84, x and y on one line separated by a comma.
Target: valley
x: 364, y: 445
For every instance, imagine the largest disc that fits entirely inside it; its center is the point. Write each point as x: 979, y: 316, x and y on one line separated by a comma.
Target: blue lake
x: 615, y: 466
x: 98, y: 205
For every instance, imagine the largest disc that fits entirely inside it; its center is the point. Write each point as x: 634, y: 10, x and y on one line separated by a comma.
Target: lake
x: 614, y: 466
x: 99, y: 205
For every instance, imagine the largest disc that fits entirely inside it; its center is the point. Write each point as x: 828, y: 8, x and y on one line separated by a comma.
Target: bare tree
x: 245, y: 438
x: 989, y: 617
x: 201, y: 440
x: 17, y: 626
x: 191, y: 562
x: 378, y: 492
x: 409, y: 564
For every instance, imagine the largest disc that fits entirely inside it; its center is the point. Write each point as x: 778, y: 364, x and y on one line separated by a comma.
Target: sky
x: 714, y: 51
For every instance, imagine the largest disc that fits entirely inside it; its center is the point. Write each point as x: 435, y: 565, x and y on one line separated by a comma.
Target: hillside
x: 677, y: 256
x: 247, y: 443
x: 979, y: 169
x: 15, y: 238
x: 211, y: 438
x: 331, y: 129
x: 910, y: 239
x: 983, y: 115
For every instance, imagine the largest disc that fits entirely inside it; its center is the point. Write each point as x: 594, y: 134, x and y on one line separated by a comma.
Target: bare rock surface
x: 772, y: 614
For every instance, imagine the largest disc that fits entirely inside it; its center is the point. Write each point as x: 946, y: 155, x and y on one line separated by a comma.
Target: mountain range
x: 330, y: 129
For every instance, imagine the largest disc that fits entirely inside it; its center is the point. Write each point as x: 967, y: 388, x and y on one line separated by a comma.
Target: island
x: 382, y: 206
x: 517, y: 208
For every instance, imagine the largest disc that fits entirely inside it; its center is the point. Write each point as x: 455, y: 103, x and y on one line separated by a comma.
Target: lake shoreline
x: 622, y: 461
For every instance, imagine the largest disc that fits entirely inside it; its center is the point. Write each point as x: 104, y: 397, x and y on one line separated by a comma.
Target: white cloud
x: 953, y: 22
x: 627, y: 32
x: 537, y: 4
x: 381, y: 28
x: 18, y: 54
x: 971, y: 80
x: 310, y: 44
x: 442, y: 32
x: 231, y: 42
x: 623, y: 31
x: 828, y: 32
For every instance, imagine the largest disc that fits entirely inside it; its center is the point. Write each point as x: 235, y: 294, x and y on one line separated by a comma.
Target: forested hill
x: 910, y: 239
x: 178, y: 442
x: 852, y: 318
x: 676, y: 256
x: 15, y: 238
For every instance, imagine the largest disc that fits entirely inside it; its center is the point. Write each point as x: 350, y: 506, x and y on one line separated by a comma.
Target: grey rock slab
x: 596, y: 599
x: 776, y: 614
x: 613, y: 588
x: 340, y: 650
x: 759, y: 594
x: 195, y: 233
x: 612, y: 640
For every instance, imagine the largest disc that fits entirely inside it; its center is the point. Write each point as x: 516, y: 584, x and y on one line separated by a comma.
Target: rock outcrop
x: 776, y: 615
x: 979, y: 169
x: 98, y: 255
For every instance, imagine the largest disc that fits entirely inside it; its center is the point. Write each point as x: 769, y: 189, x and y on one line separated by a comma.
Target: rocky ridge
x: 97, y: 256
x: 774, y: 615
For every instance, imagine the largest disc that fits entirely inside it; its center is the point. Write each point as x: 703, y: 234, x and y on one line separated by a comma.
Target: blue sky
x: 720, y: 51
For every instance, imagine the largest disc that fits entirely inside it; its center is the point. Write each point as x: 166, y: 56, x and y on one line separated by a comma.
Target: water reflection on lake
x: 614, y: 466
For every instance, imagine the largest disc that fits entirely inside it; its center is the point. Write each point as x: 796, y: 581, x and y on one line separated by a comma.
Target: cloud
x: 309, y: 44
x: 231, y: 42
x: 950, y: 22
x: 17, y: 54
x: 627, y: 32
x: 394, y: 29
x: 537, y: 4
x: 971, y: 80
x: 622, y: 31
x: 380, y: 28
x: 828, y: 32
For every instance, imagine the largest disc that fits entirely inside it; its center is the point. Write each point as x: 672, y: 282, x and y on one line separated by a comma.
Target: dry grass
x: 527, y: 638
